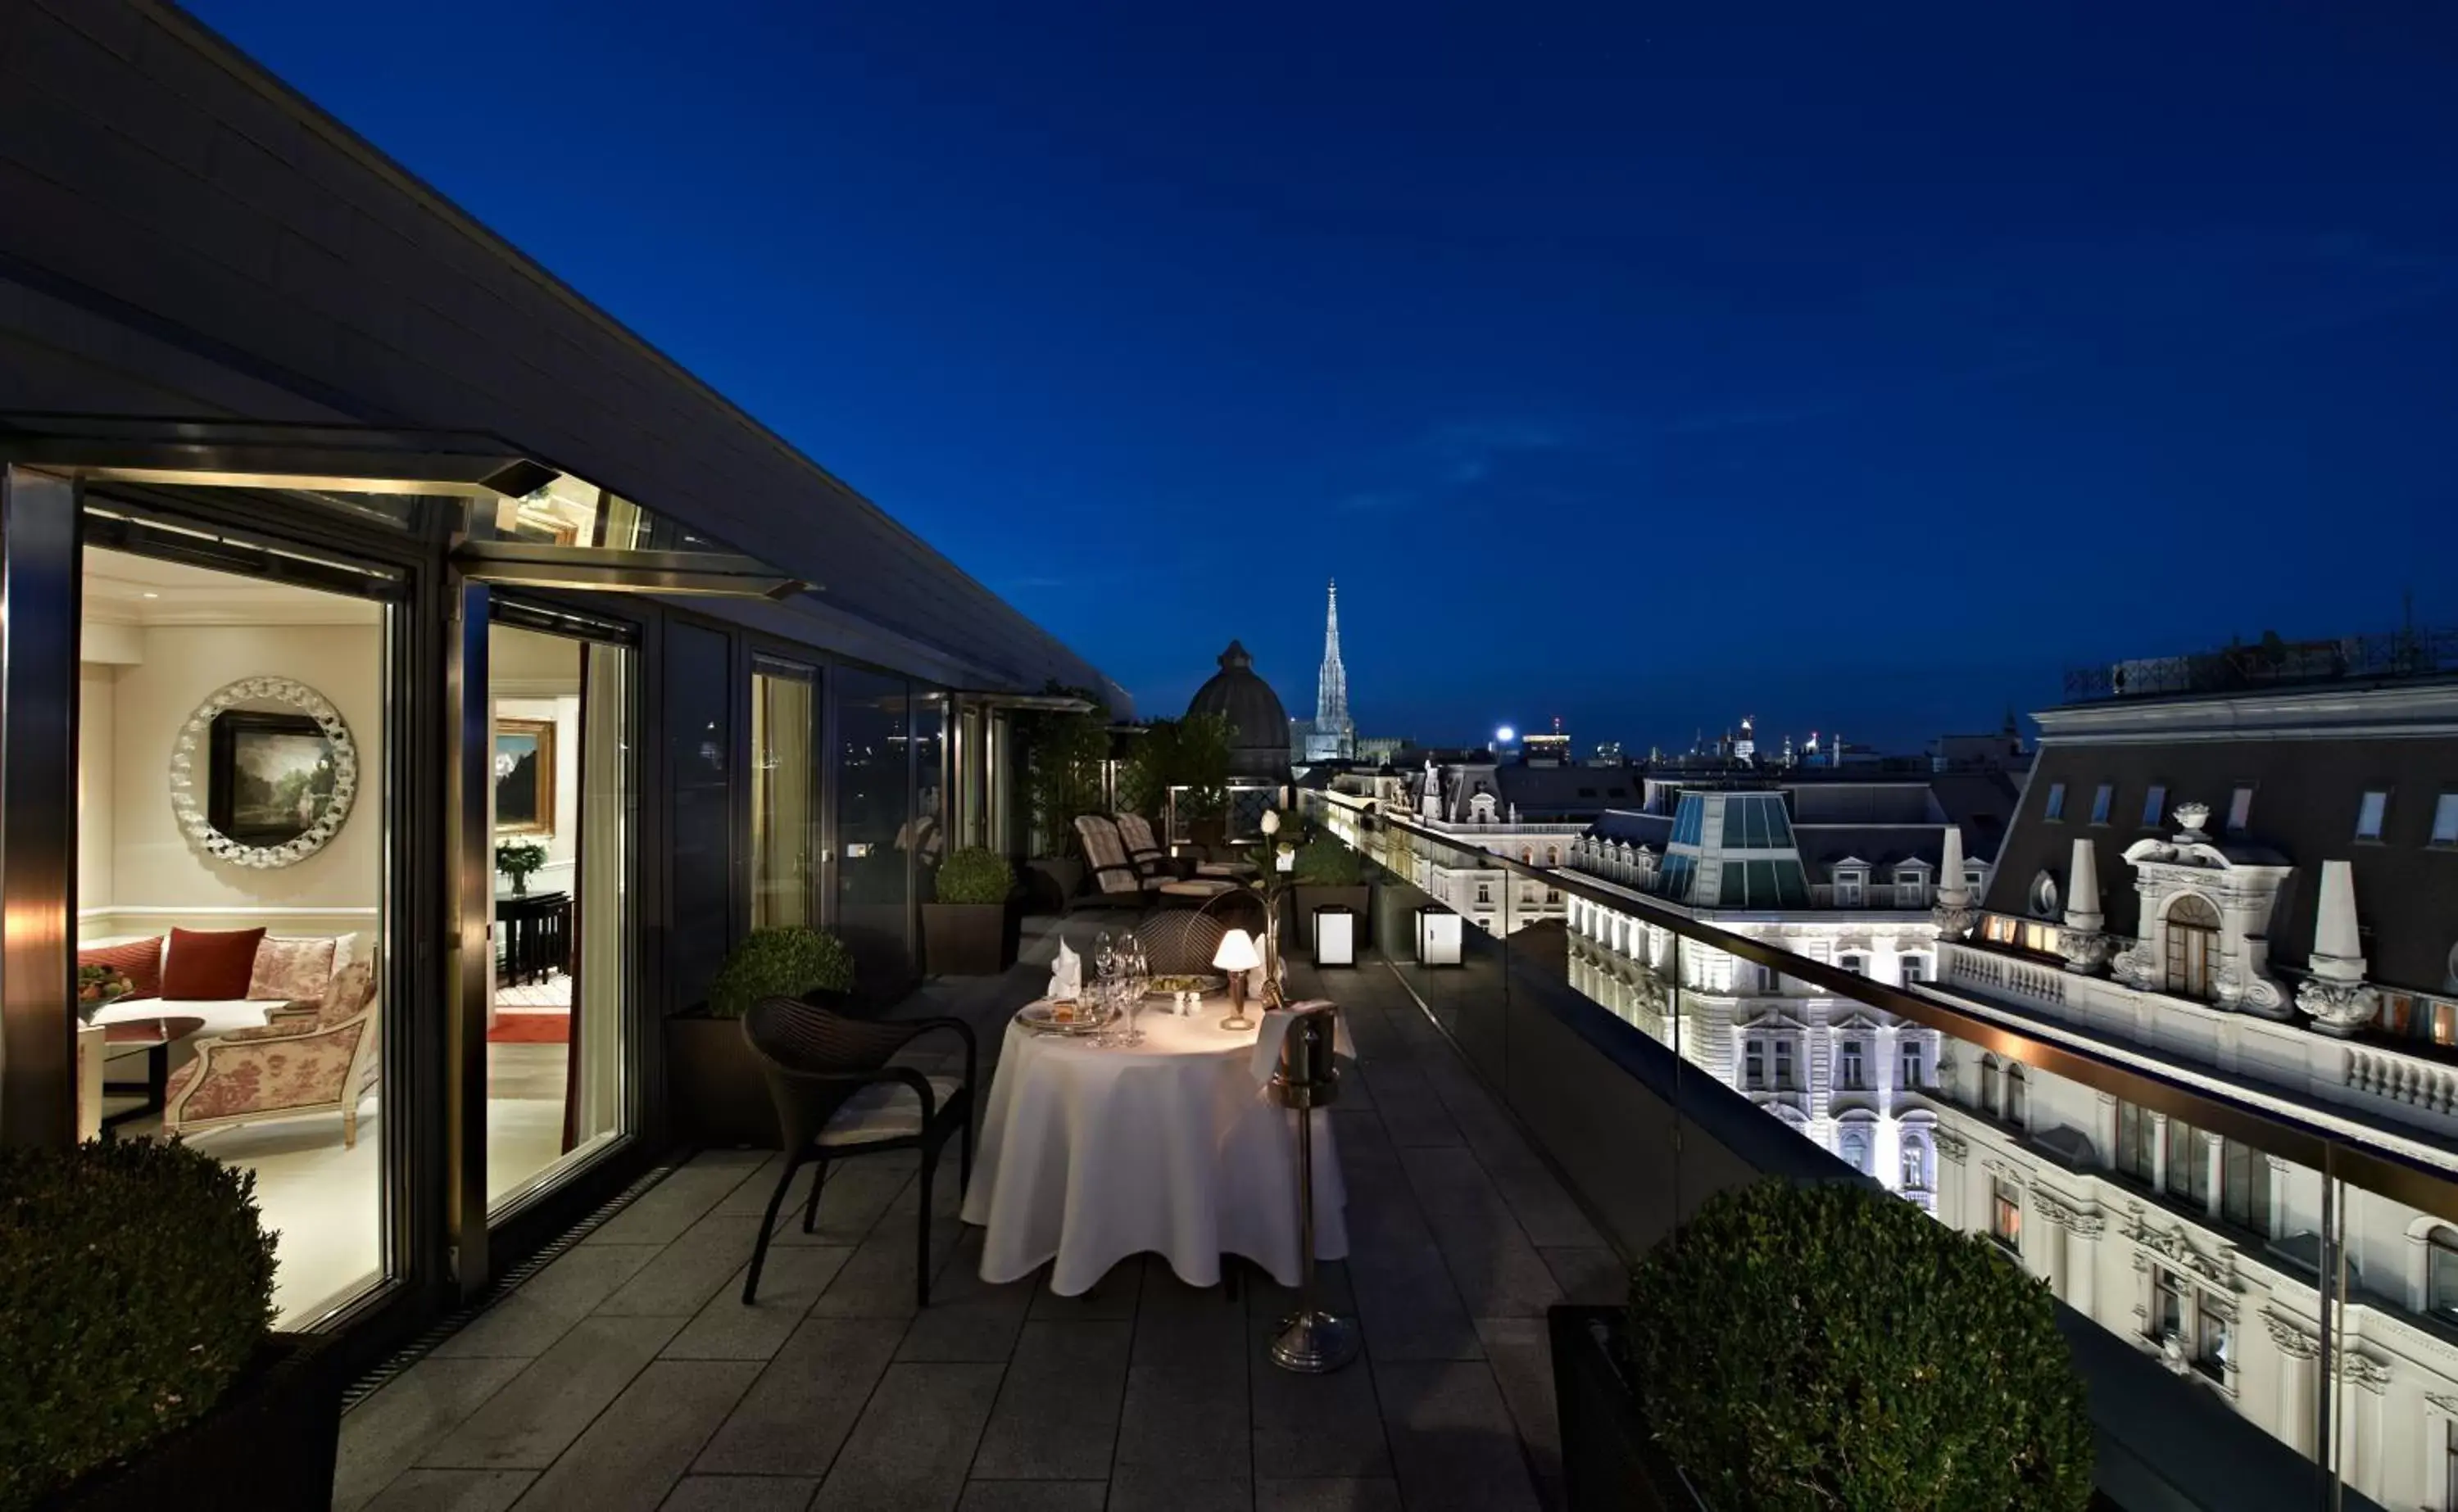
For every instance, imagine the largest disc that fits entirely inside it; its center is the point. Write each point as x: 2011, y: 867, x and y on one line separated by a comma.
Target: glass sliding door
x: 876, y: 833
x: 562, y: 712
x: 784, y: 794
x: 234, y: 803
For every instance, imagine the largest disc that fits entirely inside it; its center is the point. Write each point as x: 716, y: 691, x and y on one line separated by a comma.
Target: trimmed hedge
x: 1807, y: 1348
x: 784, y: 963
x: 136, y: 1286
x: 975, y: 875
x: 1326, y: 862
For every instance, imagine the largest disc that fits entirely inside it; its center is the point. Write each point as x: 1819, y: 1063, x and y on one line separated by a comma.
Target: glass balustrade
x: 2262, y: 1295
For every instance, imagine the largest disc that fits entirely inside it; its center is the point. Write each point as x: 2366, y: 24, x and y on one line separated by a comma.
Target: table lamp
x: 1236, y: 955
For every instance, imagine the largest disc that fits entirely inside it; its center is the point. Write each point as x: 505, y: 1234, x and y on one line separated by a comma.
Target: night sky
x: 1646, y: 364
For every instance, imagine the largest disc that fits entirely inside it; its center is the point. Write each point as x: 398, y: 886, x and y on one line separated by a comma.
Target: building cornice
x: 2367, y: 711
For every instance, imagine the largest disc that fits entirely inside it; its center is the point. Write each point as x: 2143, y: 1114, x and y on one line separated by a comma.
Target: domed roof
x: 1261, y: 746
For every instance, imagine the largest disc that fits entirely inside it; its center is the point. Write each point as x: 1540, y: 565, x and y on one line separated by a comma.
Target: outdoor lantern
x: 1335, y: 935
x: 1438, y: 936
x: 1236, y: 955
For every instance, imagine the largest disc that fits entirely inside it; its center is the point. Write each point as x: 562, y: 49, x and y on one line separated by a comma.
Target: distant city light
x: 1506, y: 735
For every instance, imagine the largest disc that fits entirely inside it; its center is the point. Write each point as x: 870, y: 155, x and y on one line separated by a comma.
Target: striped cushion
x: 139, y: 960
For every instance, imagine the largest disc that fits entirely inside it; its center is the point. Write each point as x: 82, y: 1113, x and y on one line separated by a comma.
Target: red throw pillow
x: 139, y: 960
x: 209, y: 965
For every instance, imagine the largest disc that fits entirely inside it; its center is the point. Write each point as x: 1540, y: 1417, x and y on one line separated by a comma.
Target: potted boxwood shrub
x: 712, y: 1080
x: 1327, y: 873
x: 137, y: 1365
x: 970, y: 931
x: 1798, y: 1348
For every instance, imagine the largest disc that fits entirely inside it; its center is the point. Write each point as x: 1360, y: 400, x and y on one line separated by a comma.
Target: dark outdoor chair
x: 1144, y: 851
x: 838, y: 1098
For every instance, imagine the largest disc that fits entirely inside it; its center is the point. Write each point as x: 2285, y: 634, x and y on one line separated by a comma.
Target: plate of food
x: 1170, y: 986
x: 1061, y: 1018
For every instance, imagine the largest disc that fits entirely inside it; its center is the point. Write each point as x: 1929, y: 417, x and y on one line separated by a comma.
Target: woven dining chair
x: 837, y: 1098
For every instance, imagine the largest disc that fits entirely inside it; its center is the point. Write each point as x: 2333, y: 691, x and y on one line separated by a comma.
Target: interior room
x: 230, y: 894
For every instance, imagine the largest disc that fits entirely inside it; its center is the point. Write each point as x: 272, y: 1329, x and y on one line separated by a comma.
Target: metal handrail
x: 2379, y: 1170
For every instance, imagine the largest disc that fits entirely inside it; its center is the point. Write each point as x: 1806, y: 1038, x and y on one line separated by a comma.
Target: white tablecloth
x: 1090, y: 1155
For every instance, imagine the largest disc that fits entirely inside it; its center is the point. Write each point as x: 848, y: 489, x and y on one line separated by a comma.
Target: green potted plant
x: 137, y: 1365
x: 970, y: 930
x: 1063, y: 753
x: 517, y: 860
x: 1804, y: 1347
x: 1186, y: 762
x: 712, y: 1081
x: 1331, y: 875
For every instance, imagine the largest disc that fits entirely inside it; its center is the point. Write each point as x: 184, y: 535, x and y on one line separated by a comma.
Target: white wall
x: 127, y: 735
x: 97, y: 685
x: 535, y: 676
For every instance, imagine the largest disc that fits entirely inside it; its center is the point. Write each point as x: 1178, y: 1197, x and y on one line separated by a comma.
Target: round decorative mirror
x: 263, y: 773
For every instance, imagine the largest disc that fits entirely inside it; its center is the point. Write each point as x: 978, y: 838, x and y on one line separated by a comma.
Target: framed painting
x: 269, y: 776
x: 524, y: 777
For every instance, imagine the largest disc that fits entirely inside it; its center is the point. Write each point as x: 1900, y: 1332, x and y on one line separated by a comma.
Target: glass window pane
x: 1762, y: 890
x: 2057, y: 800
x: 2154, y: 805
x: 784, y: 816
x: 699, y: 685
x: 1734, y: 890
x: 1778, y: 825
x: 2369, y: 815
x: 875, y: 837
x: 1737, y: 823
x: 2445, y: 819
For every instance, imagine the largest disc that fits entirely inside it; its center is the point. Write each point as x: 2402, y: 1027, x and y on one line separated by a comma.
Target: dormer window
x: 2239, y: 809
x: 1911, y: 885
x: 2370, y: 813
x: 2101, y: 799
x: 1849, y: 881
x: 2056, y: 809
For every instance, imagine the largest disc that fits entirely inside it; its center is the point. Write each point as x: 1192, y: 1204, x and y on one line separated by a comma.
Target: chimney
x: 2082, y: 889
x: 2336, y: 993
x: 1950, y: 889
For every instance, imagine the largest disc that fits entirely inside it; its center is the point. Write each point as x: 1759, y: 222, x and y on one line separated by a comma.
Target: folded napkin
x: 1066, y: 976
x: 1276, y: 1028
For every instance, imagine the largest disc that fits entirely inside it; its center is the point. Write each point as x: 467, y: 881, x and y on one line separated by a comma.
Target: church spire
x: 1331, y: 685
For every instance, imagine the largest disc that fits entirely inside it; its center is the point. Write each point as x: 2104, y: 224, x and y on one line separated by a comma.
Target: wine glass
x: 1138, y: 981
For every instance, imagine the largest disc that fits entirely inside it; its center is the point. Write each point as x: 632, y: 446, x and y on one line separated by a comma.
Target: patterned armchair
x: 313, y: 1058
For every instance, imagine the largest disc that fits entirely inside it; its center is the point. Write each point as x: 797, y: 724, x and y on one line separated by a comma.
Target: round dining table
x: 1089, y: 1154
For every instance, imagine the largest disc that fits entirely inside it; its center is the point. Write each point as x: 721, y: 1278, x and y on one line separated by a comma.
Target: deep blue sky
x: 1855, y: 366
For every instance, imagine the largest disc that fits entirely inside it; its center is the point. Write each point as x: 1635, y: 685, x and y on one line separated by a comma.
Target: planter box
x: 1050, y: 881
x: 713, y: 1086
x: 967, y: 939
x: 1358, y: 900
x: 1610, y: 1461
x: 269, y: 1443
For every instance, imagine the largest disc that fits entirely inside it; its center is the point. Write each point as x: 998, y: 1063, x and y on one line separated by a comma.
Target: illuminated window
x: 2370, y: 813
x: 2191, y: 930
x: 2056, y: 809
x: 2154, y: 803
x: 2214, y: 1341
x: 2006, y: 1215
x: 2445, y: 819
x: 2101, y: 801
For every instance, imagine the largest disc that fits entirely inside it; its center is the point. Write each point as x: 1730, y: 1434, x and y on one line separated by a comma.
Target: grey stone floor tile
x: 635, y: 1451
x: 798, y: 1413
x: 967, y: 1318
x: 1268, y: 1301
x: 387, y: 1433
x: 914, y: 1441
x: 741, y: 1493
x: 856, y: 1195
x: 877, y: 1279
x: 790, y: 1283
x: 687, y: 1272
x: 526, y: 1323
x: 1033, y: 1496
x: 1176, y: 1322
x: 1307, y: 1426
x: 1192, y: 1417
x: 1327, y: 1495
x: 1545, y: 1209
x: 1521, y: 1357
x: 1595, y: 1277
x: 661, y: 1214
x: 1113, y: 1296
x: 749, y: 1198
x: 1410, y: 1307
x: 1453, y: 1442
x: 1157, y: 1488
x: 453, y: 1491
x: 1057, y: 1412
x: 556, y: 1395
